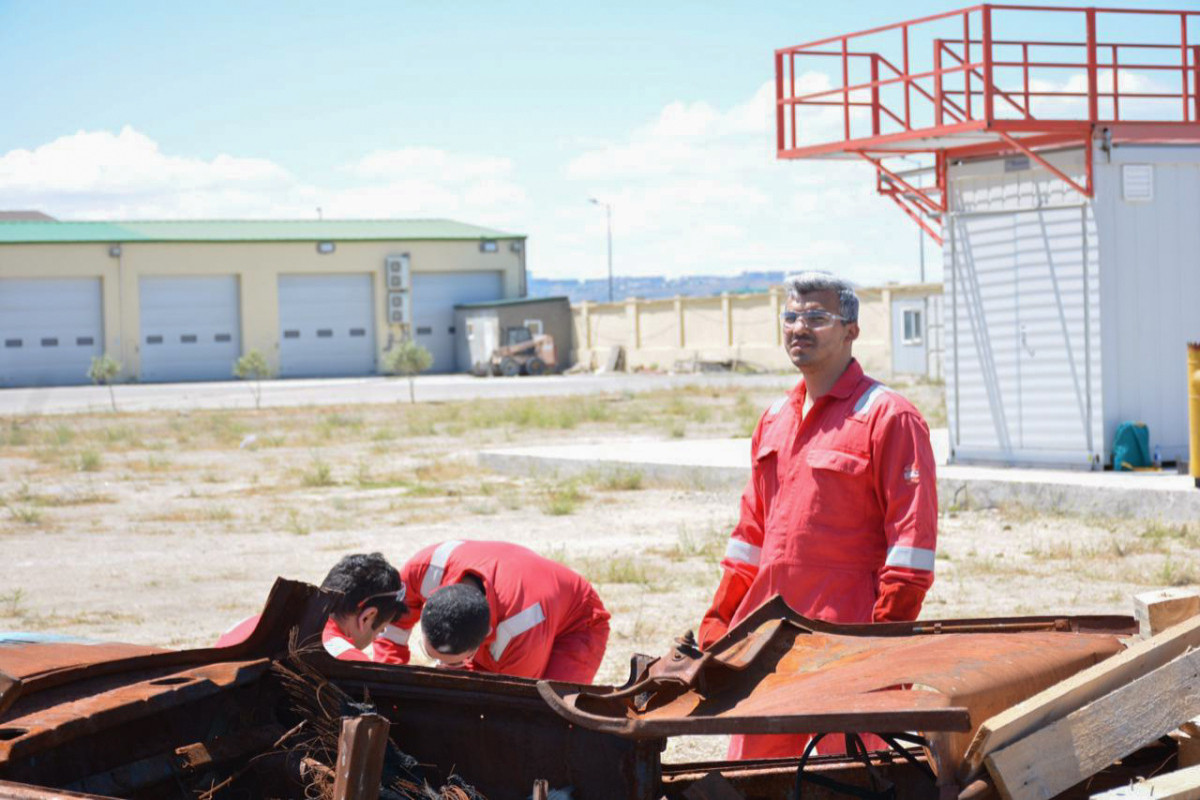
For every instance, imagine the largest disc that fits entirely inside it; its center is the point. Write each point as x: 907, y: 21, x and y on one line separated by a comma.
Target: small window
x: 912, y: 326
x: 535, y: 326
x: 153, y: 340
x: 223, y: 337
x: 188, y: 338
x: 50, y: 341
x: 13, y: 343
x: 291, y: 334
x: 516, y: 336
x: 325, y: 333
x: 84, y: 341
x: 358, y: 331
x: 424, y: 331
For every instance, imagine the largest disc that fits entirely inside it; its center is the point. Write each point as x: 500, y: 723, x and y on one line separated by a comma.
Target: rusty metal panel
x: 778, y: 672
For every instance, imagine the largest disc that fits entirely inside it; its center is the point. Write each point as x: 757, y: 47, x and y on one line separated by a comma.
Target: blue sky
x: 503, y: 114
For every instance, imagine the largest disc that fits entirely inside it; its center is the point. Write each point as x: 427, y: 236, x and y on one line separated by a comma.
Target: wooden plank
x: 1057, y: 701
x: 361, y: 748
x: 1158, y: 610
x: 1182, y: 784
x: 1055, y: 758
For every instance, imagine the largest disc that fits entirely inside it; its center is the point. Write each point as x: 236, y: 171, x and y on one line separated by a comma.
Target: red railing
x: 946, y: 78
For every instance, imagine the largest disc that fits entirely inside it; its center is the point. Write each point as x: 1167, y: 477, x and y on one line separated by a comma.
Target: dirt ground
x: 166, y: 528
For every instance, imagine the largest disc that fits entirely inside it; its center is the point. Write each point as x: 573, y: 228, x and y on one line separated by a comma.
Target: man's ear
x: 851, y: 331
x: 367, y: 618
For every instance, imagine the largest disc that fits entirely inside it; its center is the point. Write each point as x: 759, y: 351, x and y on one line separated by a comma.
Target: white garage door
x: 50, y: 328
x: 434, y: 296
x: 190, y: 327
x: 326, y: 326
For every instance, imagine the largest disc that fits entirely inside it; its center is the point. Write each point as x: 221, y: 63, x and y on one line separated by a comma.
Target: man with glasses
x: 840, y: 514
x: 360, y: 624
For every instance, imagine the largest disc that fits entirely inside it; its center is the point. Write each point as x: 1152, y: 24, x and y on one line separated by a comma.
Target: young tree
x: 407, y: 359
x: 253, y: 367
x: 102, y: 371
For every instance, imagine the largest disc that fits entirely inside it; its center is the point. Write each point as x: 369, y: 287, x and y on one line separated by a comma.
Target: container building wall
x: 1150, y: 287
x: 1023, y: 316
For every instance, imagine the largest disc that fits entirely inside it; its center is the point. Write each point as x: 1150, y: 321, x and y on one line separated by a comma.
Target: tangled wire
x: 321, y: 704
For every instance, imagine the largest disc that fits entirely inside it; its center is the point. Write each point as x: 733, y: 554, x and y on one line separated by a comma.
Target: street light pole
x: 608, y: 219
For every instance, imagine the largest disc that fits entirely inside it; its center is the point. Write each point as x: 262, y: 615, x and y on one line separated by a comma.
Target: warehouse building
x: 181, y: 301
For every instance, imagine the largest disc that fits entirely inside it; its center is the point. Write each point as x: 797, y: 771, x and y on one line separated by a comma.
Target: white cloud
x: 698, y: 189
x: 102, y: 175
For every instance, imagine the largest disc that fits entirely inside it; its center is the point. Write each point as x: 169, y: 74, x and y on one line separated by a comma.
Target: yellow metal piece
x: 1194, y: 409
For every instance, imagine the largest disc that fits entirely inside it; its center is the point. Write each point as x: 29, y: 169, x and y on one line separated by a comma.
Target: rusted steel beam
x: 361, y: 748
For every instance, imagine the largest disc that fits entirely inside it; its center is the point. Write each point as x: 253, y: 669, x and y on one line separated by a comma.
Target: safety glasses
x: 397, y: 595
x: 813, y: 320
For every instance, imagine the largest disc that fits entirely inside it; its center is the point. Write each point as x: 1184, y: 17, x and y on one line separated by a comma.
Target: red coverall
x: 839, y: 517
x: 333, y: 637
x: 547, y: 621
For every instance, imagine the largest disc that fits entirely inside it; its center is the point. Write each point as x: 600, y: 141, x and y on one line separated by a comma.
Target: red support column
x: 875, y: 94
x: 937, y: 82
x: 966, y: 60
x: 845, y: 87
x: 989, y: 115
x: 907, y: 82
x: 1183, y: 59
x: 779, y: 136
x: 1093, y: 108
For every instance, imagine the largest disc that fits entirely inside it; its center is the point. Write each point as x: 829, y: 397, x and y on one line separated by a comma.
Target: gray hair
x: 818, y: 281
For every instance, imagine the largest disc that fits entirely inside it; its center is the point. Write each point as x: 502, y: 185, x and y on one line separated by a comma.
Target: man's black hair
x: 456, y: 618
x: 365, y: 577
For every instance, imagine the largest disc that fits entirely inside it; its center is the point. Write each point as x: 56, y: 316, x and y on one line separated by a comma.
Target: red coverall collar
x: 841, y: 389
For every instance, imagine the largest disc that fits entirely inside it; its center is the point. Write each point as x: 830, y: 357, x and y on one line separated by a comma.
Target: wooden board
x: 1062, y: 698
x: 1182, y: 784
x: 1054, y: 758
x: 1158, y: 610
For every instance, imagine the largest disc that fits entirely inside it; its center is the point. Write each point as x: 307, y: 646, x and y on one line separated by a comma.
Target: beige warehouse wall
x: 257, y: 265
x: 742, y: 328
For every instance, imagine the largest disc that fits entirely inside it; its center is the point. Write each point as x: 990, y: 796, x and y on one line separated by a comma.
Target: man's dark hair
x: 366, y: 580
x: 456, y: 618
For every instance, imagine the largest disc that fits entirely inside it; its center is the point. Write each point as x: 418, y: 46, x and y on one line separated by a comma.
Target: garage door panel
x: 434, y: 296
x: 190, y: 327
x: 50, y: 329
x: 327, y: 325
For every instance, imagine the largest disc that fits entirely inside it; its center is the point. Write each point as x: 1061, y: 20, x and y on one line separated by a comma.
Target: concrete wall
x: 743, y: 328
x: 257, y: 266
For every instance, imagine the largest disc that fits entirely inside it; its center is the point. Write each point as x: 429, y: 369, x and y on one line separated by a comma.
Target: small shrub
x: 26, y: 515
x: 320, y: 474
x: 620, y: 480
x: 407, y: 360
x: 562, y: 499
x: 253, y: 367
x: 102, y: 372
x: 89, y: 461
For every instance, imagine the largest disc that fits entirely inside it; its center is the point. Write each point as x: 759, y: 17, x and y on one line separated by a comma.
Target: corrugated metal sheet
x: 26, y: 232
x: 1023, y: 373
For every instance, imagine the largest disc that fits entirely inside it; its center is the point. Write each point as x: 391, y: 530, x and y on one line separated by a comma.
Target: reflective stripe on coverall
x: 839, y: 517
x: 546, y: 620
x: 333, y: 637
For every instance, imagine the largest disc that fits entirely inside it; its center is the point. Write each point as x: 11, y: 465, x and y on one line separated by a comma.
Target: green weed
x: 561, y: 499
x: 90, y: 461
x: 319, y: 474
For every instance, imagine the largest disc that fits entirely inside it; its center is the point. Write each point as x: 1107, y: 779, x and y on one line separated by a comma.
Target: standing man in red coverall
x: 840, y: 514
x: 502, y: 608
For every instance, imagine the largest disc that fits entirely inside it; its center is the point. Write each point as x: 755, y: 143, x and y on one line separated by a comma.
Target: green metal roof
x: 515, y: 301
x: 343, y: 230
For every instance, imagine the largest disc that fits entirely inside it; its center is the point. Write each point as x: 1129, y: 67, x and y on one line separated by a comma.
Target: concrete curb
x: 712, y: 464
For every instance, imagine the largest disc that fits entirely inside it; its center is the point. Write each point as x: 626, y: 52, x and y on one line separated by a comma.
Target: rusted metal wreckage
x: 137, y: 722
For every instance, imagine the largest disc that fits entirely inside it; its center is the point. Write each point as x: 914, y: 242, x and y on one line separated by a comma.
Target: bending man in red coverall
x: 372, y: 599
x: 502, y: 608
x: 840, y: 514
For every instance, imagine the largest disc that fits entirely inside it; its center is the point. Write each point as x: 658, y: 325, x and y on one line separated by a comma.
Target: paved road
x: 338, y: 391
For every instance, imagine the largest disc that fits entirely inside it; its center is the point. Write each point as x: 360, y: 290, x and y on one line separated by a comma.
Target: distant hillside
x: 596, y: 290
